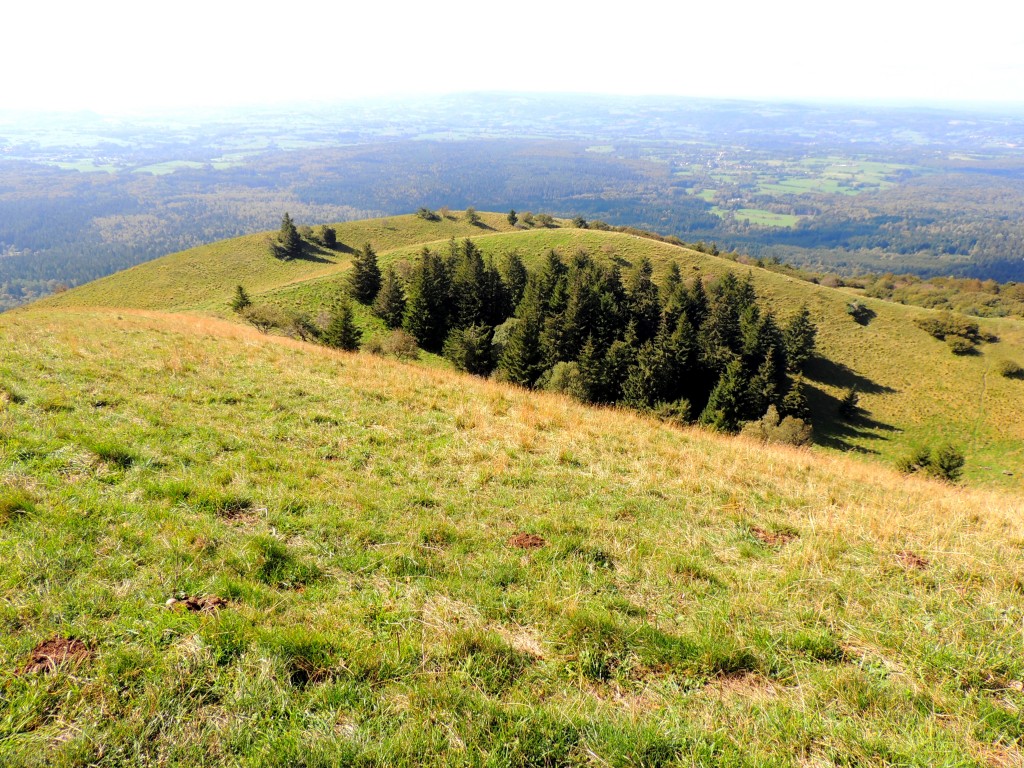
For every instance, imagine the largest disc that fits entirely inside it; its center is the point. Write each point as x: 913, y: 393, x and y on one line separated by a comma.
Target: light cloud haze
x: 118, y: 56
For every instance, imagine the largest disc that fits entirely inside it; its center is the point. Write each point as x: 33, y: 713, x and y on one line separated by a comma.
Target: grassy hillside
x: 202, y: 277
x: 380, y: 564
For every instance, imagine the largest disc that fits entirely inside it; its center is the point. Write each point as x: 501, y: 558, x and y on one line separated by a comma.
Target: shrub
x: 398, y: 344
x: 472, y: 216
x: 674, y: 413
x: 946, y: 324
x: 1011, y: 370
x: 265, y: 317
x: 861, y: 313
x: 563, y: 378
x: 960, y: 346
x: 771, y: 428
x: 427, y: 215
x: 945, y: 463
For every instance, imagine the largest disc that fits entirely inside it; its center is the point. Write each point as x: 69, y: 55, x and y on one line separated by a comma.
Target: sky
x: 122, y: 57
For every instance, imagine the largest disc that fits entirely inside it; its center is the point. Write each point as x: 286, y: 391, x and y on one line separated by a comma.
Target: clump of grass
x: 488, y: 660
x: 15, y: 502
x: 275, y: 565
x: 114, y: 454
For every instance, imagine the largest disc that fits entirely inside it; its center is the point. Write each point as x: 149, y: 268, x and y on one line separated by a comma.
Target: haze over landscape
x: 512, y: 386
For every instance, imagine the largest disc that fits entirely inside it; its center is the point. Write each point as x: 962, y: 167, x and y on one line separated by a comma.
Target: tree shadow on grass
x: 825, y: 371
x: 833, y: 431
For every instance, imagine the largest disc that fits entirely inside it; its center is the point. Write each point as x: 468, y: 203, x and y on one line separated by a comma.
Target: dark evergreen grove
x: 709, y: 351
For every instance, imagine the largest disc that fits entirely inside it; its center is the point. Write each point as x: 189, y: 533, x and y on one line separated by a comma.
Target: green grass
x: 355, y: 512
x: 759, y: 217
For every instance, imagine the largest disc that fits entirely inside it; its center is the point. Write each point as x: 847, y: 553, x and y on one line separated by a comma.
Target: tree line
x: 691, y: 350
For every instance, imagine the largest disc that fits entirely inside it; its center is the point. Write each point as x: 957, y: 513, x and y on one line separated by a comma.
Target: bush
x: 265, y: 317
x: 946, y: 324
x: 945, y: 463
x: 398, y: 344
x: 1011, y: 370
x: 427, y: 215
x: 771, y: 428
x: 861, y: 313
x: 960, y: 346
x: 563, y: 378
x: 674, y: 413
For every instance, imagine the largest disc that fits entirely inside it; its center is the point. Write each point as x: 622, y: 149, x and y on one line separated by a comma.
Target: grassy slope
x: 202, y: 277
x: 378, y: 617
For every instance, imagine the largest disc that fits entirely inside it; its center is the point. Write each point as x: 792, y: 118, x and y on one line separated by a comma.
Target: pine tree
x: 799, y: 339
x: 364, y: 282
x: 426, y: 306
x: 341, y: 332
x: 241, y: 299
x: 642, y: 301
x: 468, y: 286
x: 724, y: 410
x: 522, y: 359
x: 289, y: 243
x: 389, y: 305
x: 469, y: 349
x: 515, y: 278
x: 512, y: 218
x: 590, y: 368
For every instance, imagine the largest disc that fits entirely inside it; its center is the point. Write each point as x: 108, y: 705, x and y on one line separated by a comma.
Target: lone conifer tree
x: 365, y: 280
x: 513, y: 217
x: 289, y: 243
x: 241, y: 299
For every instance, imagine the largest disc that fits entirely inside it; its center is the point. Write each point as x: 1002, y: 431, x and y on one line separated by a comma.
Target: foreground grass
x: 698, y: 600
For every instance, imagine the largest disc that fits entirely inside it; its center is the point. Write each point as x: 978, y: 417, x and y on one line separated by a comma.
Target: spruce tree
x: 468, y: 286
x: 289, y: 243
x: 642, y: 301
x: 426, y: 306
x: 799, y: 339
x: 328, y: 236
x: 240, y: 300
x: 365, y: 278
x: 389, y: 305
x: 469, y: 349
x: 512, y: 217
x: 725, y: 407
x: 515, y: 278
x: 522, y: 360
x: 341, y: 332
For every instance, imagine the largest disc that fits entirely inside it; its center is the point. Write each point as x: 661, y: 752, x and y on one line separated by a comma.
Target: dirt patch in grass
x: 53, y: 653
x: 527, y: 541
x: 199, y: 604
x: 749, y: 685
x: 772, y: 538
x: 912, y: 560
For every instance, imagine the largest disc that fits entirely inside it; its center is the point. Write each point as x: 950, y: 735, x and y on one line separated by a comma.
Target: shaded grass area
x: 698, y: 600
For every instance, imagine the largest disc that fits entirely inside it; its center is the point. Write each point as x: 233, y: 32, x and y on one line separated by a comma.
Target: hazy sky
x: 120, y: 56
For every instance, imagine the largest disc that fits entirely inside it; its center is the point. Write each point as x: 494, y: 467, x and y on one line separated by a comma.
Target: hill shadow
x: 832, y: 431
x: 825, y: 371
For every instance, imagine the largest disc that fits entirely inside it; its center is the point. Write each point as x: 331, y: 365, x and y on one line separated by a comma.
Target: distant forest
x: 834, y: 189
